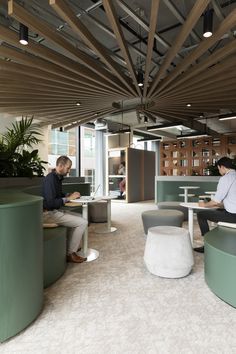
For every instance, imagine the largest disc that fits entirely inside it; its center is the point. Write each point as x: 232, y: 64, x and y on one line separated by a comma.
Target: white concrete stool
x: 168, y: 252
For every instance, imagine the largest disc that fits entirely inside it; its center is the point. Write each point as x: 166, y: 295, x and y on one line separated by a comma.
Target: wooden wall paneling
x: 197, y: 154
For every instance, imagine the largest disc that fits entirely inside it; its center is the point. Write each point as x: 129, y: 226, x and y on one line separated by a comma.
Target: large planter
x: 19, y: 182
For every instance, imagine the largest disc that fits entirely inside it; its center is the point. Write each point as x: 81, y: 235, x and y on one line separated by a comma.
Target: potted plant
x: 17, y: 159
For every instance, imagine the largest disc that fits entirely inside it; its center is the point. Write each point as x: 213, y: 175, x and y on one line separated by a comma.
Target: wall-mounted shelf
x: 189, y: 157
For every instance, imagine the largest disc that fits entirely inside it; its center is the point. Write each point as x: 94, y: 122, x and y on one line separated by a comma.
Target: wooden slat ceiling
x: 89, y: 52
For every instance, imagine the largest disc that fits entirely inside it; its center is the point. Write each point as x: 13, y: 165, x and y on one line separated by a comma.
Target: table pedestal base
x: 91, y: 254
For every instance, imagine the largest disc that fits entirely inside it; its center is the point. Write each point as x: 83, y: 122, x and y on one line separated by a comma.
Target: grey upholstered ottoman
x: 162, y: 218
x: 97, y: 211
x: 173, y: 206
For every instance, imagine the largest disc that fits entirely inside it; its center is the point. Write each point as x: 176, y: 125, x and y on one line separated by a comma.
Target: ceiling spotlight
x: 23, y: 39
x: 208, y: 23
x: 145, y: 119
x: 140, y: 78
x: 188, y: 105
x: 78, y: 103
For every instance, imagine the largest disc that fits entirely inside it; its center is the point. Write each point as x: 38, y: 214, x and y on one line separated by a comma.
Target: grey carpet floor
x: 114, y: 305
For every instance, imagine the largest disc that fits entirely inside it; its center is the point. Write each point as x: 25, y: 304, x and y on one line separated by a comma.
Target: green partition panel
x: 169, y: 190
x: 21, y: 261
x: 220, y: 263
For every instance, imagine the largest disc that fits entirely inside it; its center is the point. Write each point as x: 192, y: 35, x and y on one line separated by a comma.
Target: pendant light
x: 23, y: 34
x: 208, y: 23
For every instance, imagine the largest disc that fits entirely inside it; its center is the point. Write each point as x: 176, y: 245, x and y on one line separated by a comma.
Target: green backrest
x: 83, y: 188
x: 169, y: 190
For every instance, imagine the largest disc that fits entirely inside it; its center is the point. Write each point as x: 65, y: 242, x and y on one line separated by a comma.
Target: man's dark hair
x: 226, y: 162
x: 63, y: 160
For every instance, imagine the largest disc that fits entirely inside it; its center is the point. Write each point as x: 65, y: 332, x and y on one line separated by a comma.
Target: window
x: 87, y: 154
x: 62, y: 143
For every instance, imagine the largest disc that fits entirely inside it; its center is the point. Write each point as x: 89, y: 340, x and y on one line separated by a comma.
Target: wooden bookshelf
x: 191, y: 157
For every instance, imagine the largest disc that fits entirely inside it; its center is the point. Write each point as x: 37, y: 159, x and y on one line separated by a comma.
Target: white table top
x: 189, y: 187
x: 86, y: 199
x: 210, y: 192
x: 193, y: 206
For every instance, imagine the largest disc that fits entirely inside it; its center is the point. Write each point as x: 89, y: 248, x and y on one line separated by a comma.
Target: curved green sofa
x: 21, y: 261
x: 220, y: 263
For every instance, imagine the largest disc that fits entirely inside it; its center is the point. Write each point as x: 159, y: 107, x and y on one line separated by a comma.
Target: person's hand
x: 74, y: 195
x: 201, y: 204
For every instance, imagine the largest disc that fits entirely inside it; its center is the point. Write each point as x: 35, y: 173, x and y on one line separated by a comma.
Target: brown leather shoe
x: 74, y: 258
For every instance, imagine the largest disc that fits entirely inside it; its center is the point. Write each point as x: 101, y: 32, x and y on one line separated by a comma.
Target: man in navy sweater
x: 54, y: 199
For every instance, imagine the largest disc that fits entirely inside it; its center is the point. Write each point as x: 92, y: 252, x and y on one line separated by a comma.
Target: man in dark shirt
x: 54, y: 199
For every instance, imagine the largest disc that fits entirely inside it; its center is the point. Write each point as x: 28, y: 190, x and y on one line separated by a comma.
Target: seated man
x: 54, y: 199
x: 224, y: 200
x: 122, y: 182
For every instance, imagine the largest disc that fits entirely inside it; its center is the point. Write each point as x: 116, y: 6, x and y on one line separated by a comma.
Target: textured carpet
x: 114, y: 305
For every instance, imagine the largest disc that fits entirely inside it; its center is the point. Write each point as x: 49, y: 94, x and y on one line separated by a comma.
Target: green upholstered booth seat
x: 220, y: 263
x: 83, y: 188
x: 21, y: 261
x: 167, y: 187
x: 54, y: 255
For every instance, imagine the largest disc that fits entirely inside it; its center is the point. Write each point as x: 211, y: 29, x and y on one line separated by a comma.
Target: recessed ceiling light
x: 188, y: 105
x: 78, y: 103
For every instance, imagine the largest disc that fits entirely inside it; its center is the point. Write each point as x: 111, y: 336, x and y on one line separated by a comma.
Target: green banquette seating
x: 220, y: 263
x: 21, y: 261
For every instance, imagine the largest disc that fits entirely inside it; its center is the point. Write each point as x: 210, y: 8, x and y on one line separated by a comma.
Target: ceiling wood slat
x: 224, y: 27
x: 64, y: 12
x: 187, y: 27
x: 11, y: 37
x: 23, y: 16
x: 152, y: 30
x: 112, y: 16
x: 215, y: 57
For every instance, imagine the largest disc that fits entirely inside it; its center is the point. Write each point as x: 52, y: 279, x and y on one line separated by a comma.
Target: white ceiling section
x: 90, y: 52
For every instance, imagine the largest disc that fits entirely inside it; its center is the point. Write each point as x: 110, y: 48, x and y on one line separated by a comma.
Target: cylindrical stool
x: 168, y: 252
x: 161, y: 217
x: 97, y: 211
x: 173, y: 206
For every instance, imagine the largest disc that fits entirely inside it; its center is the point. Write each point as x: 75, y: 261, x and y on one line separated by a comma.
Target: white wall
x: 6, y: 121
